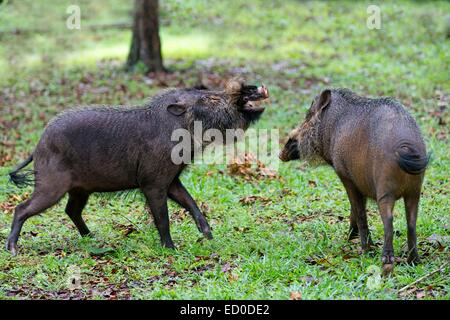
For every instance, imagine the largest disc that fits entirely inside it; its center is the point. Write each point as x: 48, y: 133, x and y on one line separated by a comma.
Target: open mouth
x: 252, y: 97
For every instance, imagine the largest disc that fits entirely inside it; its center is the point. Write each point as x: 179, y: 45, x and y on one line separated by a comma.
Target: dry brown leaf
x: 242, y: 229
x: 420, y: 294
x: 232, y: 277
x: 179, y: 215
x: 126, y: 228
x: 252, y: 199
x: 13, y: 200
x: 226, y: 267
x: 295, y: 295
x: 250, y: 168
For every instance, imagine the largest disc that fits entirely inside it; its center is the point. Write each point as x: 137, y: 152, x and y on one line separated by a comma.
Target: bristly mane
x: 354, y: 99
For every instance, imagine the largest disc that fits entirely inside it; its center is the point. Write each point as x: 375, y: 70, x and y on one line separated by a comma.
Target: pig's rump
x: 375, y: 150
x: 101, y: 150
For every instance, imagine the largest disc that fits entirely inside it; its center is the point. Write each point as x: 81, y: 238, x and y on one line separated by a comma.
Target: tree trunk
x: 146, y: 45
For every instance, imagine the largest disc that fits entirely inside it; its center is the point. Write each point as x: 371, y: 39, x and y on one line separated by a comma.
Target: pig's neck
x: 222, y: 121
x: 327, y: 132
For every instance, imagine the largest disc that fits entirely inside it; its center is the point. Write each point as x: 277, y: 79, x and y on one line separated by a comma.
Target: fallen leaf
x: 420, y: 294
x: 295, y: 295
x: 232, y: 277
x: 226, y: 267
x: 287, y: 192
x: 252, y: 199
x: 308, y: 279
x: 241, y: 229
x: 204, y: 208
x: 250, y: 168
x: 126, y: 228
x: 179, y: 215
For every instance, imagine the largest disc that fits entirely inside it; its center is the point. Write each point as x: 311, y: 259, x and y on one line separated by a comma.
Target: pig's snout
x: 254, y: 93
x: 283, y: 155
x: 290, y: 151
x: 263, y: 91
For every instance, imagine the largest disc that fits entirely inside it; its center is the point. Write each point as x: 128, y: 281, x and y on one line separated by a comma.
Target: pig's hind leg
x: 75, y: 205
x: 42, y: 198
x: 386, y: 207
x: 412, y: 206
x: 180, y: 195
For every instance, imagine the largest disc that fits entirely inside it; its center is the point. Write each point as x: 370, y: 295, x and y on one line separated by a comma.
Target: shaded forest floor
x: 274, y: 238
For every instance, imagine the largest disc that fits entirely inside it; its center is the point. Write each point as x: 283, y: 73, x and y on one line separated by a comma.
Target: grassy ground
x: 292, y: 239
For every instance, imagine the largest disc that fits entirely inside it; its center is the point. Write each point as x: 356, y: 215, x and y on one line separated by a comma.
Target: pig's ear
x: 177, y: 109
x: 323, y: 101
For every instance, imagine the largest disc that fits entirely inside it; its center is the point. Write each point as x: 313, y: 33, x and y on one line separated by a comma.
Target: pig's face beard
x: 252, y: 114
x: 308, y: 143
x: 235, y: 110
x: 220, y: 118
x: 233, y: 116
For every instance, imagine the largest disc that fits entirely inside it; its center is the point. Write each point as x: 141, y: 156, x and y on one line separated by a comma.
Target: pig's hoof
x: 11, y: 247
x: 353, y: 234
x: 388, y: 263
x: 208, y: 235
x: 387, y: 259
x: 205, y: 229
x: 413, y: 258
x: 387, y: 269
x: 366, y: 248
x: 169, y: 246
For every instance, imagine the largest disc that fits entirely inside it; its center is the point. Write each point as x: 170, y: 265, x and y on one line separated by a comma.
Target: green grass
x: 295, y: 242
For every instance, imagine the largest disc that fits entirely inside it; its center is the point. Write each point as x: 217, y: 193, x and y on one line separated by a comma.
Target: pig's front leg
x: 157, y: 201
x: 178, y: 193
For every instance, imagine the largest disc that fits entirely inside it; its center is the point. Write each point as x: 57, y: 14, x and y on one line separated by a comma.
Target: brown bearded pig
x: 377, y: 151
x: 108, y: 149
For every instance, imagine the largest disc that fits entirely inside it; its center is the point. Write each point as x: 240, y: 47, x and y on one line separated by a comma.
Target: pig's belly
x: 95, y: 175
x: 100, y: 181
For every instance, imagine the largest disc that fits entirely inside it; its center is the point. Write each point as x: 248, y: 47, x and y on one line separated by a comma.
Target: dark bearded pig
x: 377, y: 151
x: 103, y: 149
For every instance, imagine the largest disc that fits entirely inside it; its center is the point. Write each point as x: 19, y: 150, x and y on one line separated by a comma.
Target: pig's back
x: 381, y: 122
x: 105, y: 128
x: 396, y: 124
